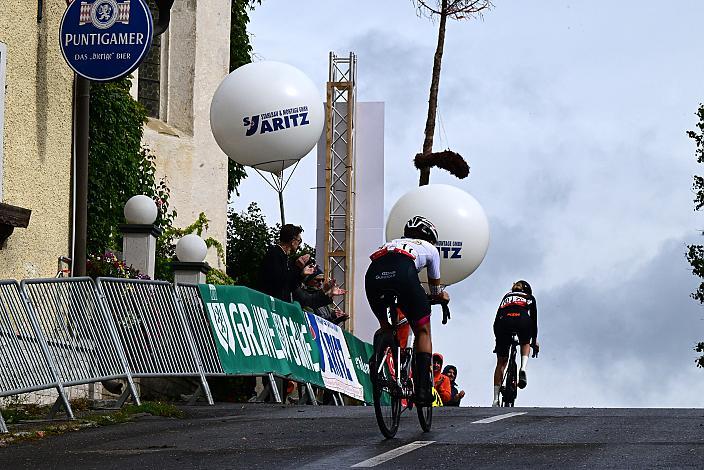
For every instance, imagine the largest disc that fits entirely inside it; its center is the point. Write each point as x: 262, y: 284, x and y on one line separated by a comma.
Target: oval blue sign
x: 105, y: 40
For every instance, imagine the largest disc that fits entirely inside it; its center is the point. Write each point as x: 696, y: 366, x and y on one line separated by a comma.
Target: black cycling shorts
x: 396, y: 273
x: 505, y: 326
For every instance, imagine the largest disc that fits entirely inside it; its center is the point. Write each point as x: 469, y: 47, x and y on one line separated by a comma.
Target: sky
x: 573, y: 119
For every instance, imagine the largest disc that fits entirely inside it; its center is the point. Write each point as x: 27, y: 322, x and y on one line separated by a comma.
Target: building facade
x: 35, y: 139
x: 176, y: 83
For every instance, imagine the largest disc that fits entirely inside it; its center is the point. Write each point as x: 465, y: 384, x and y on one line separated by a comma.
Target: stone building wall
x: 36, y: 163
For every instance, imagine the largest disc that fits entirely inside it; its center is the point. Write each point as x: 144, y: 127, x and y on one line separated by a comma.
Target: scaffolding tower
x: 339, y: 178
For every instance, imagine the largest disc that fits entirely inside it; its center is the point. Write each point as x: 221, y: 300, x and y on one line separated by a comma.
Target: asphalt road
x: 273, y: 436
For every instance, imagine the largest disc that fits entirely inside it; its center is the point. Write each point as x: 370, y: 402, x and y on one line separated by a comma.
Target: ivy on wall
x: 119, y: 166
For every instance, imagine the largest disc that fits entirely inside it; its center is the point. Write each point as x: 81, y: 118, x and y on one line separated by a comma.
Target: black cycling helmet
x: 522, y: 286
x: 420, y: 227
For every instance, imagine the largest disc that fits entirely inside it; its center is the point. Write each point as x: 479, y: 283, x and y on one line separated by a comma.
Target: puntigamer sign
x: 105, y: 40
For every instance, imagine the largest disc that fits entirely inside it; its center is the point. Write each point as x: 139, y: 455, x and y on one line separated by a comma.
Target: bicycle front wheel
x: 387, y: 394
x: 425, y: 417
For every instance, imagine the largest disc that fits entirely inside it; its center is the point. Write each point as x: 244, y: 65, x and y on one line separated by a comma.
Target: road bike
x: 509, y: 384
x: 391, y: 369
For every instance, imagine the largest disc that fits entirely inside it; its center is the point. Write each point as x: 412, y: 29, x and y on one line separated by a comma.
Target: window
x: 3, y: 62
x: 149, y: 78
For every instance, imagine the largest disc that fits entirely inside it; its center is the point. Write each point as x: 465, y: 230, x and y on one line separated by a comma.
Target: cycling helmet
x: 522, y: 286
x: 420, y: 227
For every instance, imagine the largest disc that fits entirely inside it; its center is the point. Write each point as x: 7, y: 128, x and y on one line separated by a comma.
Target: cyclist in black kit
x: 394, y: 269
x: 517, y: 313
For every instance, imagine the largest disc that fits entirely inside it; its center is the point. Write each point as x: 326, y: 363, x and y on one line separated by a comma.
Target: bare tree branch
x: 456, y: 9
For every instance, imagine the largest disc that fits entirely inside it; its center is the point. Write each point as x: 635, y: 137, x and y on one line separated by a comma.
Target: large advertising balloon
x: 266, y: 115
x: 463, y: 229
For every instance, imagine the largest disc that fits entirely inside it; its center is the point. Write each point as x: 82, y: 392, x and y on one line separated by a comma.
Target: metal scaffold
x: 339, y: 177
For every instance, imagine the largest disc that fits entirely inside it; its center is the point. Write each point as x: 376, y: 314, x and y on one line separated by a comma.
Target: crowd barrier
x: 56, y: 333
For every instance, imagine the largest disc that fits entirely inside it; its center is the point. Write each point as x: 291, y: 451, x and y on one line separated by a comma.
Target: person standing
x: 278, y: 276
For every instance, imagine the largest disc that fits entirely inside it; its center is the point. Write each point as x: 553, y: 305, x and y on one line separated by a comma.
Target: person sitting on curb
x: 455, y: 395
x: 440, y: 381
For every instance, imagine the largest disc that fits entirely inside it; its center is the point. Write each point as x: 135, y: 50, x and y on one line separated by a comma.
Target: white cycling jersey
x: 424, y: 254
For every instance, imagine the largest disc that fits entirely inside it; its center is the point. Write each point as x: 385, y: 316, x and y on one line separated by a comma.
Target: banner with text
x: 336, y: 364
x: 256, y: 334
x: 360, y: 352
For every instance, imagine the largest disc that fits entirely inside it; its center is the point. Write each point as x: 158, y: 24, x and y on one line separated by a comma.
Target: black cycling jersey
x: 517, y: 313
x: 396, y: 272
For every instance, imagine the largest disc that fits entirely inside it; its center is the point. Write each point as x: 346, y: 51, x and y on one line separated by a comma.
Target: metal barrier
x: 152, y: 327
x: 25, y: 364
x: 79, y: 333
x: 200, y: 327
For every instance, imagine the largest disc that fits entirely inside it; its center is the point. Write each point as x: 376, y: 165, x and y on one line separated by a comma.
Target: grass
x: 19, y: 413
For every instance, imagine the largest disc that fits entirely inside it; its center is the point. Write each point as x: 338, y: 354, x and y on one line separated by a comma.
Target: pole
x: 81, y: 174
x: 281, y: 207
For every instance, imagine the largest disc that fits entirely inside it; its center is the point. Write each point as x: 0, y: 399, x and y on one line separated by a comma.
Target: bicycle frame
x: 396, y: 365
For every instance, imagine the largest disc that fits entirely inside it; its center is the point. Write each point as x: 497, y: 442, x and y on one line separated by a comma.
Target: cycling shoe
x: 522, y: 379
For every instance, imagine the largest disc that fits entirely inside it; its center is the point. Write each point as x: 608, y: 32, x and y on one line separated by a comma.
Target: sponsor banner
x: 336, y: 364
x: 105, y: 40
x: 360, y: 352
x: 256, y: 334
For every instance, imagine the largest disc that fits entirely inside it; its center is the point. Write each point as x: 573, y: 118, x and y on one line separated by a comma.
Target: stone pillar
x: 139, y: 246
x: 190, y: 272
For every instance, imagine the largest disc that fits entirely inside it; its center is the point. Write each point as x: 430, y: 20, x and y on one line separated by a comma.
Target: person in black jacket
x: 278, y: 276
x: 517, y: 313
x: 456, y: 394
x: 315, y: 296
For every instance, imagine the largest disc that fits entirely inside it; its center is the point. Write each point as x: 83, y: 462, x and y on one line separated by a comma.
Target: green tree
x: 248, y: 238
x: 119, y: 166
x: 240, y: 54
x: 695, y: 253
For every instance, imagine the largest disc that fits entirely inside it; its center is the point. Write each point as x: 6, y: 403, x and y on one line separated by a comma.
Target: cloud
x: 628, y: 342
x: 572, y: 118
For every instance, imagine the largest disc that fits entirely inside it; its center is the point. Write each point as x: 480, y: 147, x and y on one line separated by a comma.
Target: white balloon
x: 191, y: 249
x: 267, y: 115
x: 140, y: 209
x: 463, y: 228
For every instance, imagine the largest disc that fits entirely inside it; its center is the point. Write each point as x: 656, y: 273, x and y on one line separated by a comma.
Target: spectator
x: 440, y: 381
x: 315, y: 296
x: 455, y: 396
x: 278, y: 276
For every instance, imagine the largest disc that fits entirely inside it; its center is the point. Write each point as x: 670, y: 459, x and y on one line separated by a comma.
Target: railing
x: 62, y: 332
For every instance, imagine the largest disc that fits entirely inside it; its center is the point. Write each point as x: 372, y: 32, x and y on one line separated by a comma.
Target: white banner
x: 336, y: 365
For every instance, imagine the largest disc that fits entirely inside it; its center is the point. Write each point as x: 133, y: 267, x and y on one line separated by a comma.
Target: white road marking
x: 498, y: 417
x: 392, y: 454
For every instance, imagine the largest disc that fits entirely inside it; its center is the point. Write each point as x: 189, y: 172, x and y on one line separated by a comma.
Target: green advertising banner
x: 360, y: 353
x: 256, y: 334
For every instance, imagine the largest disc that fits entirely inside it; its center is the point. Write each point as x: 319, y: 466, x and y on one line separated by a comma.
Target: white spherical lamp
x: 191, y: 249
x: 463, y: 228
x: 140, y: 209
x: 267, y: 115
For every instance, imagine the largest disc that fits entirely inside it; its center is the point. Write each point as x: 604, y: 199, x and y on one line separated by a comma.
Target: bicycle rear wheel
x: 510, y: 388
x: 387, y: 394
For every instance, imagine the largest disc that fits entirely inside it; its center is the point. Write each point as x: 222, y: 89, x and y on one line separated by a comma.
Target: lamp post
x: 139, y: 234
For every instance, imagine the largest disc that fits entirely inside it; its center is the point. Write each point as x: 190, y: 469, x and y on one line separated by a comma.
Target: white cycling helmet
x: 420, y: 227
